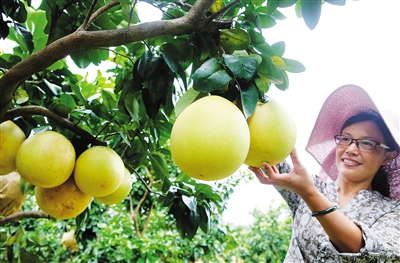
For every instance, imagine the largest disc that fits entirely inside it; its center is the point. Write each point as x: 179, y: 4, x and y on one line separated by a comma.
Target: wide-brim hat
x: 341, y: 104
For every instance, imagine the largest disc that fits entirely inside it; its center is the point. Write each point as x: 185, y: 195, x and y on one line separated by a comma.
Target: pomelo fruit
x: 11, y: 138
x: 210, y: 139
x: 46, y: 159
x: 273, y: 133
x: 64, y: 201
x: 99, y: 171
x: 120, y: 194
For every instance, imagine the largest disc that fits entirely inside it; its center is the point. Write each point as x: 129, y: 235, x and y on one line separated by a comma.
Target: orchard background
x: 198, y: 48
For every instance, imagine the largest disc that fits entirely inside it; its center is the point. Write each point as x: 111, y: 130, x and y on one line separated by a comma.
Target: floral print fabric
x: 377, y: 216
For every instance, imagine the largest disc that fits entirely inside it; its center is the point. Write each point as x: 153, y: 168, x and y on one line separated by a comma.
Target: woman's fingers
x: 295, y: 158
x: 272, y: 171
x: 262, y: 177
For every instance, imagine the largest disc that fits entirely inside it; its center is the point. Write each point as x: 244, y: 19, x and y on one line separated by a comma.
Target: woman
x: 355, y: 217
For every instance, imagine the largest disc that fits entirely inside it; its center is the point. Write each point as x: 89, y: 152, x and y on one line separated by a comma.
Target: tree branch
x: 38, y: 110
x: 223, y: 10
x: 88, y: 15
x: 91, y: 17
x: 194, y: 20
x: 146, y: 224
x: 21, y: 215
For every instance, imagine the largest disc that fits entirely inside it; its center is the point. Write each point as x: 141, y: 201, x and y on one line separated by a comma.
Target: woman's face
x: 360, y: 166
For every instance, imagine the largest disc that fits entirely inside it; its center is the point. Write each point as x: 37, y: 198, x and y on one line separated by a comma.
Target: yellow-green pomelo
x: 272, y: 133
x: 46, y: 159
x: 64, y: 201
x: 11, y: 138
x: 99, y: 171
x: 120, y: 194
x: 210, y: 139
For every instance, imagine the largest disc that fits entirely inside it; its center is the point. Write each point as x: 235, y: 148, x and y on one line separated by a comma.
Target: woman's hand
x: 298, y: 180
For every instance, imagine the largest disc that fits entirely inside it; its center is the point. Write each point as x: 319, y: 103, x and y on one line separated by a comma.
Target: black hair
x: 379, y: 182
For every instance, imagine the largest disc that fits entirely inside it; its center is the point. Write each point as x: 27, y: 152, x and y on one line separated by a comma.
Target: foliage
x: 268, y: 238
x: 198, y: 48
x: 110, y: 237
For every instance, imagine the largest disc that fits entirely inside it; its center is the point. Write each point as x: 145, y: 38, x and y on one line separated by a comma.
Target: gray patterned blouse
x: 377, y: 216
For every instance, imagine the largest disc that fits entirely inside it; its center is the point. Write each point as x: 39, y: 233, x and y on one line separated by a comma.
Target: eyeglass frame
x: 356, y: 141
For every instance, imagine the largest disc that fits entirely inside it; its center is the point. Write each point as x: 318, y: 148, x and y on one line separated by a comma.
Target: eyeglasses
x: 362, y: 144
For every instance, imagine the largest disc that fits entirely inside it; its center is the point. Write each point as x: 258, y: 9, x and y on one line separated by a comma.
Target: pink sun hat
x: 341, y: 104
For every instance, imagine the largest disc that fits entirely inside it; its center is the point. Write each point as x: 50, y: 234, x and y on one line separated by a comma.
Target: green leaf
x: 68, y: 101
x: 57, y: 90
x: 20, y: 14
x: 205, y: 219
x: 169, y: 199
x: 210, y: 77
x: 262, y: 87
x: 8, y: 7
x: 83, y: 59
x: 28, y: 256
x: 234, y: 39
x: 249, y: 98
x: 77, y: 91
x: 36, y: 23
x: 286, y: 3
x: 152, y: 106
x: 279, y: 48
x: 190, y: 202
x: 265, y: 49
x: 311, y: 12
x: 218, y: 4
x: 241, y: 67
x: 159, y: 165
x: 205, y: 191
x: 187, y: 99
x: 102, y: 111
x: 187, y: 222
x: 215, y: 81
x: 267, y: 21
x: 285, y: 84
x: 268, y: 71
x: 4, y: 30
x: 256, y: 37
x: 20, y: 96
x: 27, y: 37
x: 158, y: 86
x: 109, y: 99
x: 293, y: 66
x: 172, y: 57
x: 272, y: 5
x: 81, y: 219
x: 25, y: 186
x: 56, y: 65
x: 15, y: 238
x: 131, y: 104
x: 336, y: 2
x: 149, y: 66
x: 277, y: 15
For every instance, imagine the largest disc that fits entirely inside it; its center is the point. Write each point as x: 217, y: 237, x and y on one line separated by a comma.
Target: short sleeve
x: 382, y: 241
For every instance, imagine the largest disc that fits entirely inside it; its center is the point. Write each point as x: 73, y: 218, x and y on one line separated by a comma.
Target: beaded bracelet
x: 326, y: 211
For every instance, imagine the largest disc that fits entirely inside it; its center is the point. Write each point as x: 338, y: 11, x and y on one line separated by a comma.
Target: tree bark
x: 23, y: 214
x: 194, y: 20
